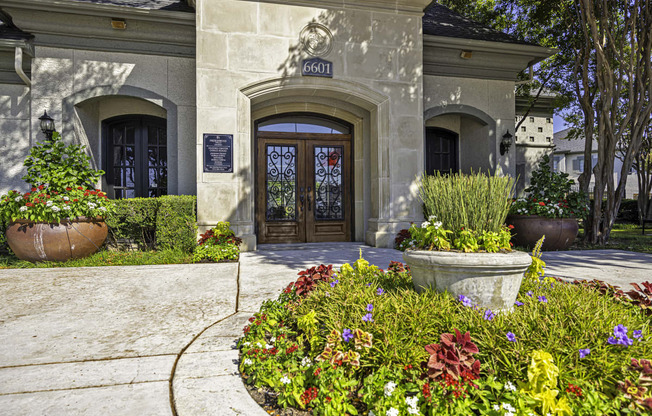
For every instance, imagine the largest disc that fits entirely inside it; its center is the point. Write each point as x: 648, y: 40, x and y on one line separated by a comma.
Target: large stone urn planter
x: 69, y: 239
x: 560, y: 232
x: 490, y: 280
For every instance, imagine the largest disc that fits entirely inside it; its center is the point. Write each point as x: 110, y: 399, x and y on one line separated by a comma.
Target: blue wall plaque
x: 218, y: 153
x: 317, y: 67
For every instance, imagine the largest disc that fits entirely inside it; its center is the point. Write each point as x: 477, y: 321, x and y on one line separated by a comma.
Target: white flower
x: 23, y: 208
x: 432, y: 218
x: 247, y: 361
x: 392, y: 412
x: 306, y: 362
x: 65, y: 198
x: 246, y: 344
x: 56, y: 209
x: 102, y: 208
x: 389, y: 388
x: 438, y: 224
x: 508, y: 407
x: 412, y: 401
x: 67, y: 208
x: 17, y: 199
x: 272, y: 340
x: 509, y: 414
x: 425, y: 224
x: 259, y: 345
x: 496, y: 407
x: 371, y: 413
x: 413, y: 411
x: 49, y: 204
x: 285, y: 380
x: 91, y: 205
x: 268, y: 346
x: 510, y: 386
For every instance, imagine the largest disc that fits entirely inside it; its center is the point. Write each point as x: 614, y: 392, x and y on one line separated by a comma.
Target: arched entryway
x: 303, y: 179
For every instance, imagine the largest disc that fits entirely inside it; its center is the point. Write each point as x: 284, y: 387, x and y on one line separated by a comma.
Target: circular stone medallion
x: 316, y: 39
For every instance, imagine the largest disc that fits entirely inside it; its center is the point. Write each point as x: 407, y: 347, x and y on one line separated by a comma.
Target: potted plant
x: 61, y: 216
x: 464, y: 247
x: 550, y: 208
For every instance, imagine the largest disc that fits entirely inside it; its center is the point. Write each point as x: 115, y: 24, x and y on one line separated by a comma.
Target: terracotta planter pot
x: 560, y: 232
x: 490, y: 280
x: 69, y: 239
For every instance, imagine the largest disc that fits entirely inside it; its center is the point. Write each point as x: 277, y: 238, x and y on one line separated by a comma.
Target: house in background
x: 568, y: 157
x: 534, y: 137
x: 295, y: 120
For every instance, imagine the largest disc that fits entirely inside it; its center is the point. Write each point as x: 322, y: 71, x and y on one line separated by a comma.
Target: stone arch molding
x: 72, y: 125
x: 461, y: 109
x: 366, y: 109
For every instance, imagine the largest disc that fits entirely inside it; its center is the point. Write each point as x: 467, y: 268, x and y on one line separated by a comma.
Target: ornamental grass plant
x: 475, y: 202
x: 362, y: 341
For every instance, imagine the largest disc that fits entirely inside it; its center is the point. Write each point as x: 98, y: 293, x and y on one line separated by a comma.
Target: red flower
x: 29, y: 204
x: 66, y: 202
x: 80, y: 188
x: 542, y: 203
x: 47, y: 196
x: 33, y: 189
x: 68, y: 189
x: 75, y: 200
x: 41, y: 187
x: 511, y: 227
x: 36, y: 200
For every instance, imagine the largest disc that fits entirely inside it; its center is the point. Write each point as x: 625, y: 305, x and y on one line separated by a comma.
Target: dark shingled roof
x: 170, y: 5
x: 439, y: 20
x: 9, y: 31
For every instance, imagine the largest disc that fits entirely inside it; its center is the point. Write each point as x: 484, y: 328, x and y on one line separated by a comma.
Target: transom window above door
x: 135, y: 162
x: 303, y: 124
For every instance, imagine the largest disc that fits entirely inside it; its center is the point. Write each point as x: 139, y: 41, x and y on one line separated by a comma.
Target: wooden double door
x: 303, y: 187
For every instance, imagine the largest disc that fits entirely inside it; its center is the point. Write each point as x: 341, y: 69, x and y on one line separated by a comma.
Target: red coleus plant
x: 309, y: 278
x: 453, y: 356
x: 642, y: 296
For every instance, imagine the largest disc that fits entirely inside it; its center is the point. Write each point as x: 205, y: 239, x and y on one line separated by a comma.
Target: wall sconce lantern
x: 47, y: 125
x: 505, y: 143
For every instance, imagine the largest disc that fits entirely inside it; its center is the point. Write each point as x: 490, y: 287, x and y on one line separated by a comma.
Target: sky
x: 559, y: 124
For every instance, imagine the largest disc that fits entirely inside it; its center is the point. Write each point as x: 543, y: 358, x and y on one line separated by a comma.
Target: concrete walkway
x: 160, y: 340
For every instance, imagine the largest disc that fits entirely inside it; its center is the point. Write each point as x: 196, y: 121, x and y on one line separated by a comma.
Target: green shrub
x: 218, y: 244
x: 4, y: 247
x: 134, y: 220
x: 176, y: 223
x: 628, y: 211
x: 477, y: 201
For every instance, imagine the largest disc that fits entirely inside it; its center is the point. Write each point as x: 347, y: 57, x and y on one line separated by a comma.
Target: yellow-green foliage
x: 537, y: 266
x: 542, y: 376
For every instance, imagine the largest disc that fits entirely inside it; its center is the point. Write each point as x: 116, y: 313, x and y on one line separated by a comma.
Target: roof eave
x: 536, y: 52
x: 94, y: 9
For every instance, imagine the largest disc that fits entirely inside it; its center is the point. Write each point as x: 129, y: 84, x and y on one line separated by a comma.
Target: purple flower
x: 370, y: 307
x: 626, y: 341
x: 529, y: 293
x: 465, y: 301
x: 347, y: 335
x: 511, y: 337
x: 368, y: 318
x: 334, y: 282
x: 620, y: 331
x: 584, y: 352
x: 517, y: 303
x: 612, y: 341
x: 638, y: 334
x: 488, y: 315
x: 543, y: 299
x: 368, y: 284
x: 380, y: 291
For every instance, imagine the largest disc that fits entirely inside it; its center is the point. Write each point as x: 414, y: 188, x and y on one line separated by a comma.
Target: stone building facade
x: 325, y: 115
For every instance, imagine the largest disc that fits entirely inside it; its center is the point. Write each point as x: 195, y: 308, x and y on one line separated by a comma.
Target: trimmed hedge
x: 628, y: 211
x: 168, y: 222
x: 176, y: 223
x: 133, y: 220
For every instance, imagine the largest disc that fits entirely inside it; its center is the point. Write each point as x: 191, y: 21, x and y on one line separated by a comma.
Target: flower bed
x: 361, y: 341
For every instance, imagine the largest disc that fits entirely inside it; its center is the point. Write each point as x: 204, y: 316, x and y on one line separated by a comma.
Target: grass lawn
x: 623, y: 237
x: 106, y: 258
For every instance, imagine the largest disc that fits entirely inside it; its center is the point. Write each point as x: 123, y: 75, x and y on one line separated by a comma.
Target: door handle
x: 309, y: 207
